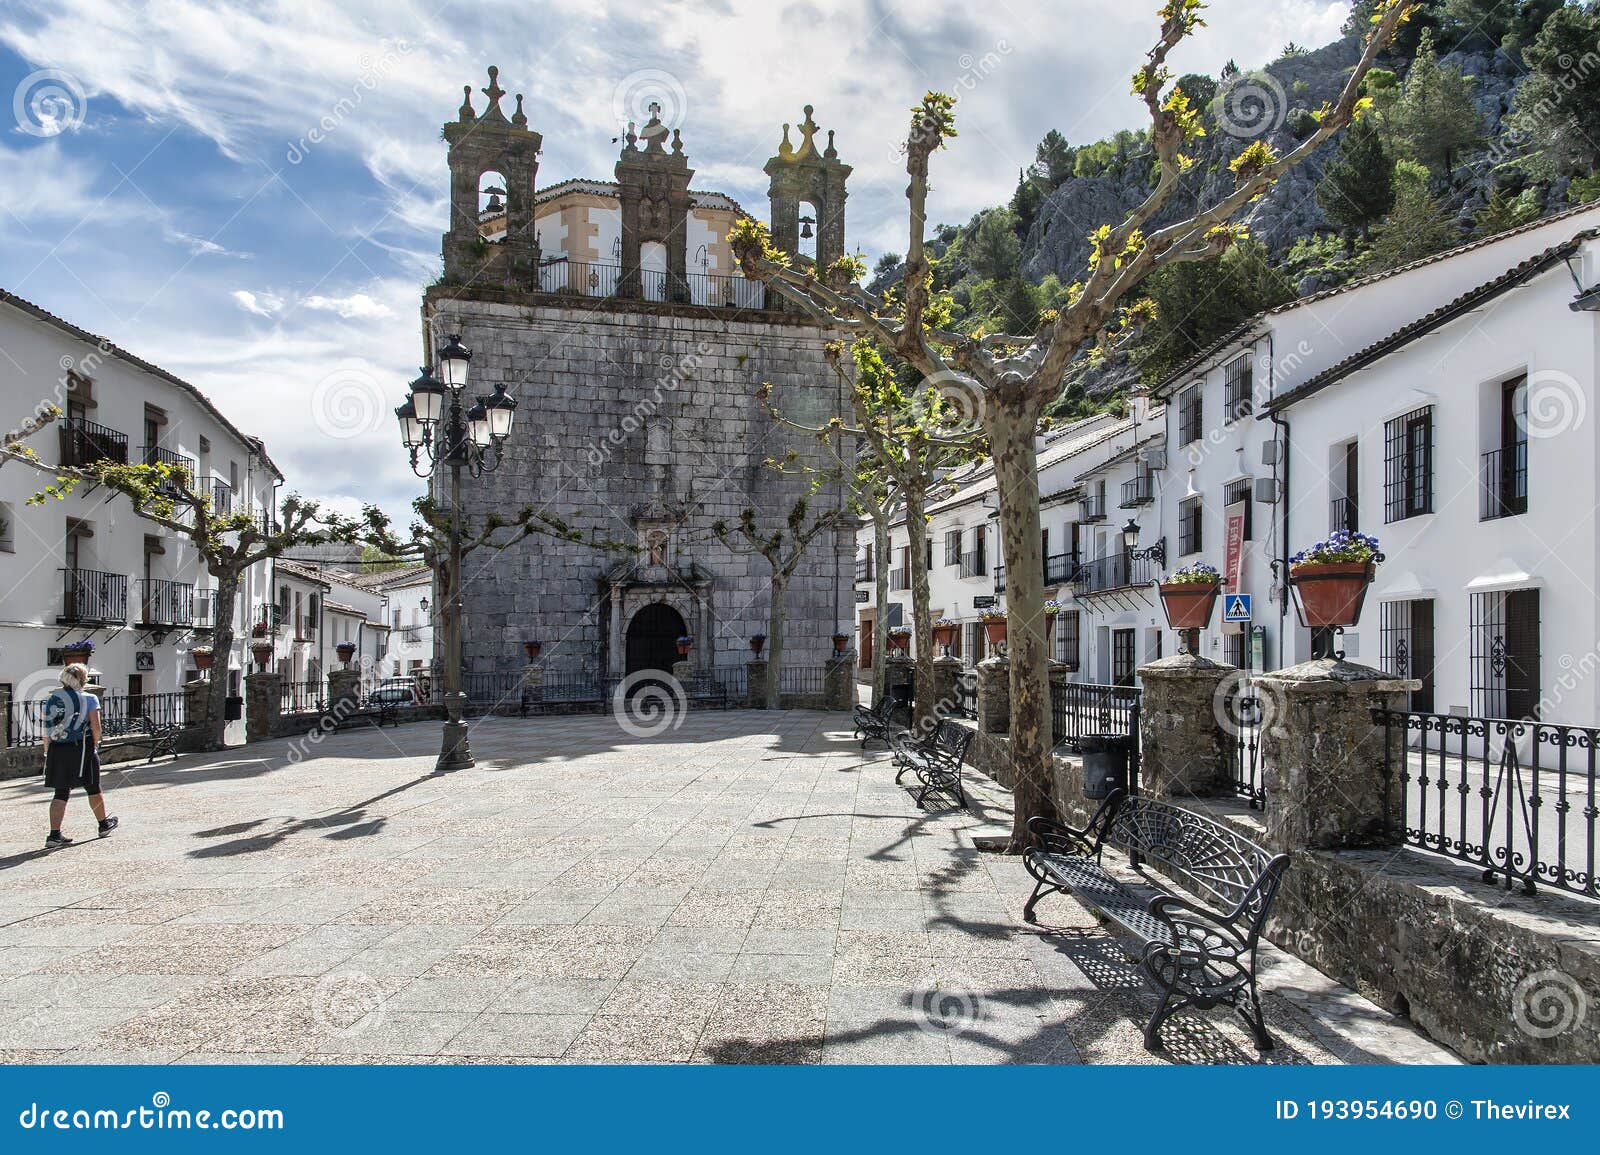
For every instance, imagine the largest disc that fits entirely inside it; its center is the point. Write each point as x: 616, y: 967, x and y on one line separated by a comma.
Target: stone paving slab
x: 748, y: 887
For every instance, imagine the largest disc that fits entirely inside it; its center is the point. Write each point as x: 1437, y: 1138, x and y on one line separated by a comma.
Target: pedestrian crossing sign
x: 1236, y: 608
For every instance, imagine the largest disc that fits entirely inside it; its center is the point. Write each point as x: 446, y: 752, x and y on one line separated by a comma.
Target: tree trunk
x: 921, y: 621
x: 1010, y: 428
x: 880, y: 623
x: 775, y: 615
x: 221, y: 647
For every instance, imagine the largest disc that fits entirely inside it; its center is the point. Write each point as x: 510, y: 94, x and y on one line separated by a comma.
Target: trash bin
x: 1105, y: 764
x: 233, y: 707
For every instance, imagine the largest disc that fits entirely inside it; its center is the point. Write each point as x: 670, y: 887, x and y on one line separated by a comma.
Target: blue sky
x: 172, y: 199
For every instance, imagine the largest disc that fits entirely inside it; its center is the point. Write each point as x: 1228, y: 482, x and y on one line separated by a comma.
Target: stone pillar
x: 533, y: 682
x: 1186, y: 745
x: 1324, y: 758
x: 839, y: 682
x: 344, y: 692
x: 946, y: 673
x: 994, y: 696
x: 900, y: 670
x: 755, y: 691
x: 196, y: 702
x: 263, y: 703
x: 683, y: 669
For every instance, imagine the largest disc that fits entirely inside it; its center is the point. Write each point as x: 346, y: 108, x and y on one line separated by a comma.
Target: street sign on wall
x: 983, y: 602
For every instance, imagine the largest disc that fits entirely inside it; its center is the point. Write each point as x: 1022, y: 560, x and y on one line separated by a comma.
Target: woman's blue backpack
x: 65, y: 716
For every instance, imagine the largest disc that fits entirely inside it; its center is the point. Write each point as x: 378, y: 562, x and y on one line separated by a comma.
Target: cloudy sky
x: 160, y: 185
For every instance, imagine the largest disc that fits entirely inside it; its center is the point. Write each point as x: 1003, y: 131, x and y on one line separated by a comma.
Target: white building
x: 409, y: 602
x: 89, y: 566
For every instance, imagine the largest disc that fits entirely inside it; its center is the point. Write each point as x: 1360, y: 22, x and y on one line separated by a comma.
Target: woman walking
x: 71, y: 751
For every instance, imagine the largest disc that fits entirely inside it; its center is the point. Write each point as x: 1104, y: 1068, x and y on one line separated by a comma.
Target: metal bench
x: 935, y: 760
x: 161, y: 739
x: 876, y: 723
x: 1190, y: 954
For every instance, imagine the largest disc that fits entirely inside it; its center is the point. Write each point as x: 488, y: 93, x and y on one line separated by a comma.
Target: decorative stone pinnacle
x: 520, y: 118
x: 466, y: 112
x: 677, y: 142
x: 830, y: 152
x: 785, y: 149
x: 494, y: 92
x: 808, y: 130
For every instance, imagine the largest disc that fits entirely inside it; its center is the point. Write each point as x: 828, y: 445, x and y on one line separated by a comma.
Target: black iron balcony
x: 999, y: 577
x: 165, y: 603
x: 1139, y: 491
x: 974, y: 564
x: 92, y: 597
x: 221, y: 497
x: 84, y: 443
x: 1343, y: 514
x: 1059, y: 568
x: 177, y: 462
x: 1505, y: 482
x: 864, y: 568
x: 1113, y: 573
x: 900, y: 579
x: 1093, y: 508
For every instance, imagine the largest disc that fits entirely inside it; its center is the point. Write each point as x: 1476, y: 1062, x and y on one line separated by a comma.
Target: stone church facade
x: 614, y: 314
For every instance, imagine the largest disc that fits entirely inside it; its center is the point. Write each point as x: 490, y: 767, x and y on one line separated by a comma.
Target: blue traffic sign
x: 1236, y: 607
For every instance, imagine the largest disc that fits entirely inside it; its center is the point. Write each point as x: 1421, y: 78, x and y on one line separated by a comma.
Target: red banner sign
x: 1235, y: 543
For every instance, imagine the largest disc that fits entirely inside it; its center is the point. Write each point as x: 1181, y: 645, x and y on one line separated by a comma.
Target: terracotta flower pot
x: 900, y: 643
x: 684, y: 648
x: 532, y: 649
x: 70, y: 656
x: 346, y: 651
x: 262, y: 651
x: 944, y: 636
x: 1331, y: 593
x: 202, y: 659
x: 840, y: 642
x: 996, y: 632
x: 756, y: 644
x: 1189, y: 604
x: 1050, y: 632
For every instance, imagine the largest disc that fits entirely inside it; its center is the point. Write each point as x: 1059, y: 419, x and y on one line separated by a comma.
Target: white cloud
x: 357, y: 306
x: 261, y: 304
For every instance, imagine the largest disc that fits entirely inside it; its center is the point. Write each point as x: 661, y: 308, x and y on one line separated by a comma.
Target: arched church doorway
x: 653, y: 638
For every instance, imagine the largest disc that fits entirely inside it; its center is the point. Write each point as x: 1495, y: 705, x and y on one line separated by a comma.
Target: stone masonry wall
x: 621, y: 406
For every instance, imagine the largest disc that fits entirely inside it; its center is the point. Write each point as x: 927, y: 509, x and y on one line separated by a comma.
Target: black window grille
x: 1408, y: 465
x: 1191, y: 415
x: 1504, y: 632
x: 1240, y: 374
x: 1189, y: 538
x: 1405, y: 634
x: 1122, y: 657
x: 1236, y: 492
x: 1235, y: 647
x: 952, y: 547
x: 1069, y: 639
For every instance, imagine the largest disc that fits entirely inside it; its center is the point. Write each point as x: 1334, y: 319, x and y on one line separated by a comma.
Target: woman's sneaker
x: 107, y: 826
x: 56, y: 839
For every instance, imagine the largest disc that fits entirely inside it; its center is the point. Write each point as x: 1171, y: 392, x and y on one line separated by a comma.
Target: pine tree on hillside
x: 1357, y: 190
x: 1418, y: 227
x: 1557, y: 110
x: 1026, y: 200
x: 1503, y: 212
x: 1053, y: 159
x: 1434, y: 120
x: 993, y: 249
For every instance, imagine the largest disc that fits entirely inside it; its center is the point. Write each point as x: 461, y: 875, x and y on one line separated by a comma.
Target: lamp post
x: 438, y: 429
x: 1130, y: 538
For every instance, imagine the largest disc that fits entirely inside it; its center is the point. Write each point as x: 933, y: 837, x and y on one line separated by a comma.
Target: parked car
x: 398, y: 692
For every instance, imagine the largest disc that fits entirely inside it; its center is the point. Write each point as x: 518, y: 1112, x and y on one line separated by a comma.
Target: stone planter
x: 899, y: 643
x: 841, y: 642
x: 1331, y: 593
x: 995, y: 631
x: 1188, y: 604
x: 757, y: 643
x: 944, y: 636
x: 262, y: 652
x: 202, y: 659
x: 346, y: 651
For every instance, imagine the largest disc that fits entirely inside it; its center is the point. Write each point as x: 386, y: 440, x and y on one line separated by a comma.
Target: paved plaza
x: 748, y: 887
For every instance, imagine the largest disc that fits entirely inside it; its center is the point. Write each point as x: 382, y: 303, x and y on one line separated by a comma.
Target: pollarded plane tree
x: 908, y: 437
x: 1013, y: 379
x: 782, y: 549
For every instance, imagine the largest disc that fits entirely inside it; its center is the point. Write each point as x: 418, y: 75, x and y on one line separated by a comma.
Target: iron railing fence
x: 1515, y: 798
x: 1059, y: 568
x: 24, y: 721
x: 84, y: 442
x: 165, y: 603
x: 307, y: 697
x: 1242, y: 714
x: 1138, y: 491
x: 1505, y: 482
x: 999, y: 577
x: 1079, y: 710
x: 90, y: 595
x: 1118, y: 571
x: 1343, y: 513
x: 604, y: 279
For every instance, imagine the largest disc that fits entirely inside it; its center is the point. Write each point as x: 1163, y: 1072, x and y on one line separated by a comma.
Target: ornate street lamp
x: 438, y: 428
x: 1130, y: 538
